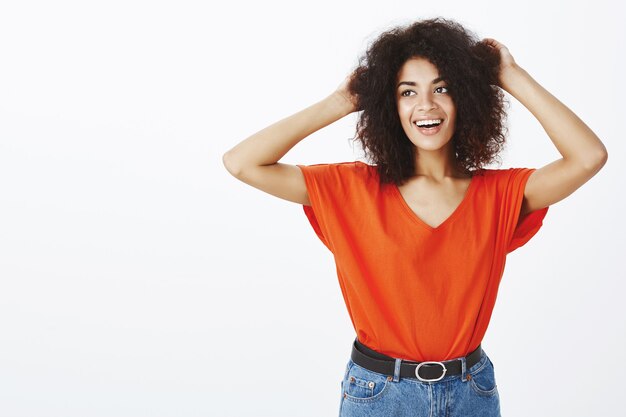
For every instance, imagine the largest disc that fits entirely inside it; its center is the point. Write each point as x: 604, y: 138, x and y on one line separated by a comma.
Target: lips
x: 428, y: 131
x: 429, y: 120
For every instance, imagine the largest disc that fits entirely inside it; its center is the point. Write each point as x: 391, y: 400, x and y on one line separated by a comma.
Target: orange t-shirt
x: 413, y: 291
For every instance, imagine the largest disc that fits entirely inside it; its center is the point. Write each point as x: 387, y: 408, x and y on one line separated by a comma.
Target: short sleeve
x: 329, y: 187
x: 517, y: 232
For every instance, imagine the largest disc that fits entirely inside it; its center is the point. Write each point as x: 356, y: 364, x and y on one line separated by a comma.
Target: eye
x: 407, y: 93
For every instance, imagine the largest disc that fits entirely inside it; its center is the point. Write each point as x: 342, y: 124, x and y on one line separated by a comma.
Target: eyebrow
x: 413, y: 83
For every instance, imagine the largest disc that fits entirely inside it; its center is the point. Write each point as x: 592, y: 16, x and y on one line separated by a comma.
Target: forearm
x: 270, y: 144
x: 574, y: 140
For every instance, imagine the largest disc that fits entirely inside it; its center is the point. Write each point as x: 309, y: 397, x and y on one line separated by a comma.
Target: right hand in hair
x: 345, y: 96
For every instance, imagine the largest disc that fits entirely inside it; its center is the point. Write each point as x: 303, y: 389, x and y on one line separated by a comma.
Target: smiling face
x: 422, y: 95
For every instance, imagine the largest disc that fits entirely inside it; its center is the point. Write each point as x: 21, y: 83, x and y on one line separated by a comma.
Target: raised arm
x: 583, y: 154
x: 255, y: 160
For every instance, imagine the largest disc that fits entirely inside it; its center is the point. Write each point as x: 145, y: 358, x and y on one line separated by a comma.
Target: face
x: 421, y: 95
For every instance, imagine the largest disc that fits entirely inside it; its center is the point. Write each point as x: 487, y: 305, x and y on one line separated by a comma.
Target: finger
x: 491, y: 42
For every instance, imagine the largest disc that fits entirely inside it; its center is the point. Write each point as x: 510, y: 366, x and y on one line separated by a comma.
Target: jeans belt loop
x: 396, y: 372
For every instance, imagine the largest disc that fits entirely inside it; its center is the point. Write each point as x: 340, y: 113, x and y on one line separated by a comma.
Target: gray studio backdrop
x: 138, y: 278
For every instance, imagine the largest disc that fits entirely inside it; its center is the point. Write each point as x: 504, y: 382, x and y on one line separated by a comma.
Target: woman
x: 420, y: 236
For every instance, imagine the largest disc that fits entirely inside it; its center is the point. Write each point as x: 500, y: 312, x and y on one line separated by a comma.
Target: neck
x: 438, y: 165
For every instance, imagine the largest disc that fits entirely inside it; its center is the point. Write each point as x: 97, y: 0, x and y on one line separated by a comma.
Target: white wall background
x: 138, y: 278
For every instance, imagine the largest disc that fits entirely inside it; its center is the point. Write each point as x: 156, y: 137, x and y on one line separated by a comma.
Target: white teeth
x: 428, y: 122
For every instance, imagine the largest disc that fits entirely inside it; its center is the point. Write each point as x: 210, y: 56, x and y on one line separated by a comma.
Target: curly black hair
x: 470, y: 69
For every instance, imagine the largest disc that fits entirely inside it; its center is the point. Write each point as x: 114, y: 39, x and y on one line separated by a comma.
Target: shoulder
x: 358, y: 167
x: 338, y: 166
x: 339, y: 174
x: 503, y: 173
x: 506, y: 180
x: 490, y: 172
x: 346, y: 168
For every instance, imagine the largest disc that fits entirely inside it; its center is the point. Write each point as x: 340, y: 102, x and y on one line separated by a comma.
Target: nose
x: 424, y: 103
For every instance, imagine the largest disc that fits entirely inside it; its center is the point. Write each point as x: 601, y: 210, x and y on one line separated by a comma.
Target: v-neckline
x: 449, y: 219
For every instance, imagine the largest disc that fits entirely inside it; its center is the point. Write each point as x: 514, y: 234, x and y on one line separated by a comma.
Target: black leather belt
x: 424, y: 371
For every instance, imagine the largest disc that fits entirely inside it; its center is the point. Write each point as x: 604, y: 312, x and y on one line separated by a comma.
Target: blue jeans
x: 367, y: 393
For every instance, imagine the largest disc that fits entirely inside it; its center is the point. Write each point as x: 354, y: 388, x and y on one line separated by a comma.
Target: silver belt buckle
x: 417, y: 369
